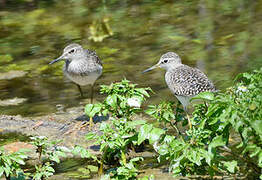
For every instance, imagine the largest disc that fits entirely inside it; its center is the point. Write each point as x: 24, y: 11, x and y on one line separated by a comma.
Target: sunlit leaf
x: 205, y: 96
x: 230, y: 166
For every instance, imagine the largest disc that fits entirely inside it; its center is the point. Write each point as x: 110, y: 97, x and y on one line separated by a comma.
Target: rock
x: 12, y: 74
x: 13, y: 102
x: 16, y: 146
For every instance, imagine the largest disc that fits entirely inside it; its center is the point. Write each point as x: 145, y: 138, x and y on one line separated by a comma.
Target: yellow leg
x: 100, y: 171
x: 91, y: 123
x: 189, y: 121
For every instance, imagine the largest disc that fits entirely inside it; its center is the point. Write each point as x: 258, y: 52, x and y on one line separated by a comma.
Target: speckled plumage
x: 187, y: 81
x: 184, y: 82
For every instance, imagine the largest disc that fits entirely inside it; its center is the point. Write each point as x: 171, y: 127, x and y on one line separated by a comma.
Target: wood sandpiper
x: 82, y: 66
x: 185, y: 82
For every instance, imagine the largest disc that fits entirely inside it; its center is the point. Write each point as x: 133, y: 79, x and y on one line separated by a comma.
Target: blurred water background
x: 222, y: 38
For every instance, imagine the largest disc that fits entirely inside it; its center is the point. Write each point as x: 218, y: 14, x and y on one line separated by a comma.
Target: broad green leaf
x: 217, y: 141
x: 143, y: 91
x: 19, y: 161
x: 136, y: 123
x: 112, y: 100
x: 230, y: 166
x: 163, y: 149
x: 95, y: 110
x: 144, y: 133
x: 88, y: 108
x: 207, y: 155
x: 205, y: 96
x: 257, y: 126
x: 155, y: 135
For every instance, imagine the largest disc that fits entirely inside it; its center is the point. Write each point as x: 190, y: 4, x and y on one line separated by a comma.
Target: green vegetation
x: 225, y: 139
x: 10, y: 164
x: 223, y: 38
x: 199, y: 151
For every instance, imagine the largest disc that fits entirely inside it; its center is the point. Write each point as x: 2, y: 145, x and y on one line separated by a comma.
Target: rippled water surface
x: 222, y: 38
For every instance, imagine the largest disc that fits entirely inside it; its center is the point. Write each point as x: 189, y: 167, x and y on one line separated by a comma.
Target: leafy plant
x: 123, y: 100
x: 10, y: 163
x: 238, y: 109
x: 125, y: 171
x: 120, y: 134
x: 51, y: 152
x: 166, y: 113
x: 49, y: 149
x: 43, y: 171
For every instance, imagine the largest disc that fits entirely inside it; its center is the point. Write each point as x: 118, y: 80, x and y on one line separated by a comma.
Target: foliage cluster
x: 206, y: 149
x: 120, y: 134
x: 195, y: 151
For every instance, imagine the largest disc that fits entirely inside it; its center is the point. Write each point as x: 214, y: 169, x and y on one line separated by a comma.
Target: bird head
x: 167, y: 61
x: 71, y: 52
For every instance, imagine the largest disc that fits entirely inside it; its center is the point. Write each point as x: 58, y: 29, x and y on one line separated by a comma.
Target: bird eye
x: 165, y: 61
x: 72, y: 51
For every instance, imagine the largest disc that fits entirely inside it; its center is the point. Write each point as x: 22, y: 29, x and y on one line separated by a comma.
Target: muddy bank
x: 63, y: 125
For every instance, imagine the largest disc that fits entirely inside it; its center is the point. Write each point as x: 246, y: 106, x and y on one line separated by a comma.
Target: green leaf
x: 95, y: 110
x: 257, y: 126
x: 217, y: 141
x: 163, y: 149
x: 155, y: 135
x: 19, y: 161
x: 88, y: 108
x: 230, y: 166
x: 136, y: 123
x: 90, y: 136
x: 112, y: 100
x: 55, y: 158
x: 204, y: 96
x: 144, y: 133
x: 1, y: 171
x: 143, y: 91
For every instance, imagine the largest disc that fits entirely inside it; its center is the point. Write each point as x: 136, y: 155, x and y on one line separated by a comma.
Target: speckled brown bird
x: 185, y: 82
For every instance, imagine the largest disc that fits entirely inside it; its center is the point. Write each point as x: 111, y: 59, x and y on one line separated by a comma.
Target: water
x: 221, y: 38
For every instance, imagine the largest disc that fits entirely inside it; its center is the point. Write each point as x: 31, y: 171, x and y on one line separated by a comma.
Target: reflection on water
x: 221, y: 38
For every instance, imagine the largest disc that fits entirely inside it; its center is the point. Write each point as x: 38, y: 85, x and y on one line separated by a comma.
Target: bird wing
x: 94, y: 56
x: 188, y: 81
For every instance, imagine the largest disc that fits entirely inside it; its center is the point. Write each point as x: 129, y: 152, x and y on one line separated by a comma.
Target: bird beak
x: 149, y: 69
x: 57, y: 59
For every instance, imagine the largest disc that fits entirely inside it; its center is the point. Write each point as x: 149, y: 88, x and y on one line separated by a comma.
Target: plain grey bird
x: 185, y: 82
x: 82, y: 66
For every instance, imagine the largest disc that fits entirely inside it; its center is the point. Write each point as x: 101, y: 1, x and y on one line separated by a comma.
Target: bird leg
x: 189, y: 121
x: 80, y: 90
x: 91, y: 123
x: 188, y: 118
